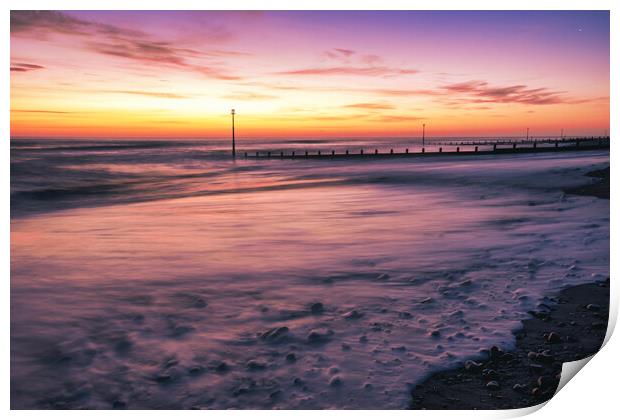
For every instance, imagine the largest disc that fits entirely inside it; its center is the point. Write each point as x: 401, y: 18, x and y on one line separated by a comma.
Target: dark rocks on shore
x: 599, y: 188
x: 529, y: 374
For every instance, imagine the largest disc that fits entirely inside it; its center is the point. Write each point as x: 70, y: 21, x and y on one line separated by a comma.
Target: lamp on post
x: 232, y: 113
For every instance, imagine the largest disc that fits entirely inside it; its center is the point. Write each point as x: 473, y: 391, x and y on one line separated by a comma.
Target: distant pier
x: 451, y: 148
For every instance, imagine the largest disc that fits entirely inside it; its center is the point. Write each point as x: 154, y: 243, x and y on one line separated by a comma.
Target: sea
x: 163, y: 274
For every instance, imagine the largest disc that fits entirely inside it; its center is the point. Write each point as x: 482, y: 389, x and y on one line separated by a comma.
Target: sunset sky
x: 300, y: 74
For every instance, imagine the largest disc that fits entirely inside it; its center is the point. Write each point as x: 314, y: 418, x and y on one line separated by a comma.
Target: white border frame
x: 593, y: 394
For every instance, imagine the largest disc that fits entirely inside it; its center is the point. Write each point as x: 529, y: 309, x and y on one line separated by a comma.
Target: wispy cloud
x: 23, y: 67
x: 370, y: 105
x: 44, y: 22
x: 478, y: 91
x: 130, y: 44
x: 167, y: 95
x: 395, y: 118
x: 348, y: 71
x: 249, y: 96
x: 40, y: 111
x: 339, y: 53
x: 158, y: 52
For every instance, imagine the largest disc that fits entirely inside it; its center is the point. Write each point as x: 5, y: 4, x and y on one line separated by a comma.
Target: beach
x: 167, y: 275
x: 570, y: 326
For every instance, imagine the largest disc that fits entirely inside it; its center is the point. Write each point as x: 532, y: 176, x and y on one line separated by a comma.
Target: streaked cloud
x: 478, y: 91
x: 40, y: 111
x: 395, y: 118
x: 130, y: 44
x: 249, y: 96
x: 349, y: 71
x: 370, y: 105
x: 23, y: 67
x: 167, y: 95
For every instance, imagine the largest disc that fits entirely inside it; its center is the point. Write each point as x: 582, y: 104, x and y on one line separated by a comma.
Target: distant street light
x: 232, y: 112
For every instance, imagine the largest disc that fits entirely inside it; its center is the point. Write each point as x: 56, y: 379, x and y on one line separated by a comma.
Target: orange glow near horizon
x: 304, y: 74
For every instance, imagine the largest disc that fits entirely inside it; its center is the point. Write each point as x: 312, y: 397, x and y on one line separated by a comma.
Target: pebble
x: 544, y: 382
x: 519, y: 388
x: 255, y: 365
x: 277, y: 334
x: 545, y: 357
x: 492, y: 385
x: 119, y: 405
x: 222, y: 367
x: 473, y: 366
x: 353, y: 315
x: 163, y: 378
x: 536, y: 368
x: 195, y: 370
x: 435, y: 333
x: 427, y: 300
x: 335, y: 381
x: 489, y: 374
x: 319, y: 336
x: 495, y: 352
x: 554, y: 338
x: 317, y: 308
x: 593, y: 307
x: 363, y: 339
x: 291, y: 357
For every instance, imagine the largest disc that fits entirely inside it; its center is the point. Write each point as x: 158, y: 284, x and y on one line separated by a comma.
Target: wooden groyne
x: 441, y: 149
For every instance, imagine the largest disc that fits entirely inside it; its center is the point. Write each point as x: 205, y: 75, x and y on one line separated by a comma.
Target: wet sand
x: 599, y: 188
x: 571, y: 329
x: 568, y: 327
